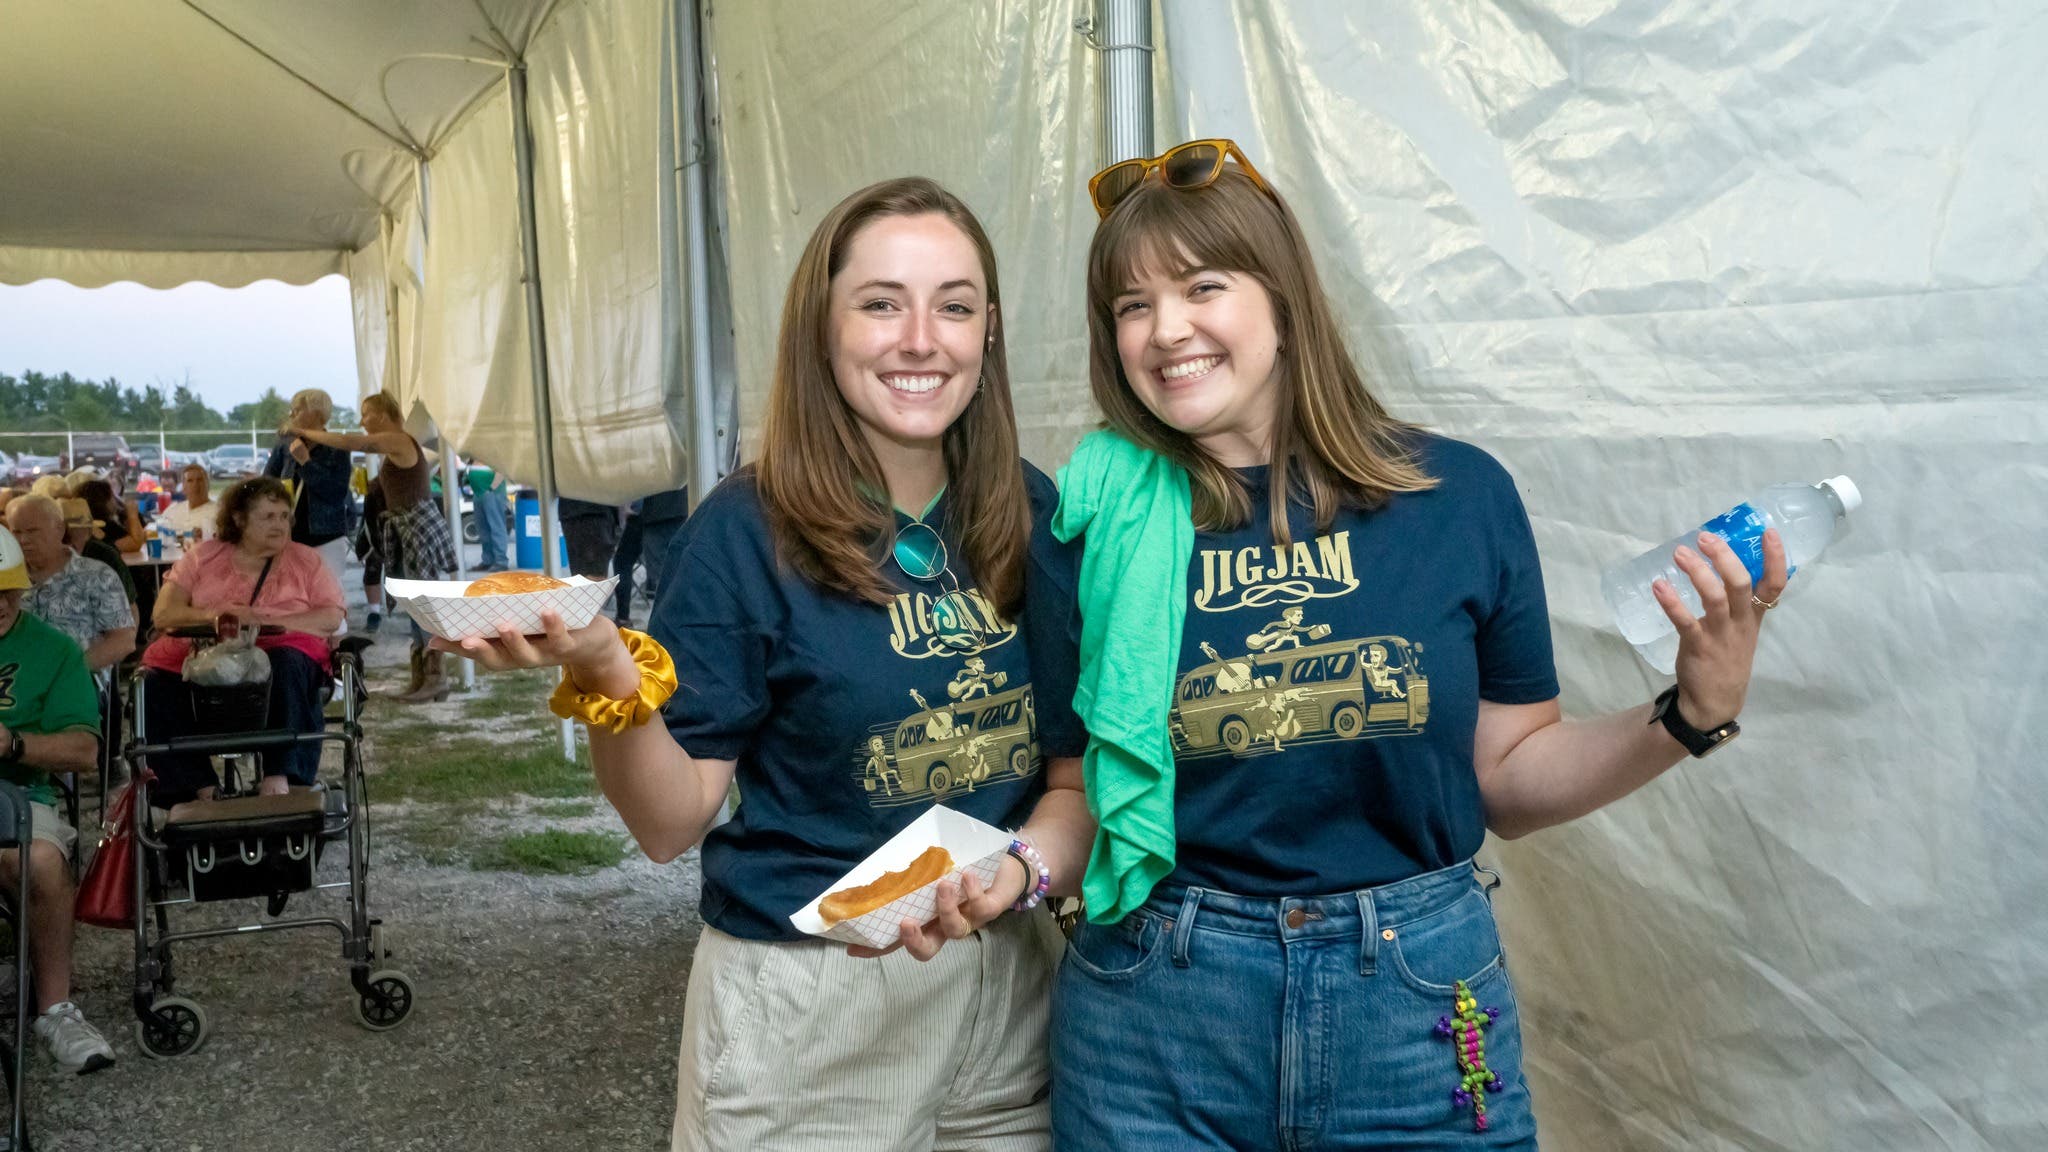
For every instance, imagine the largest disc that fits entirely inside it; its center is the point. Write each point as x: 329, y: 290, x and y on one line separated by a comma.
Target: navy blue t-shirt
x: 1328, y: 691
x: 847, y: 719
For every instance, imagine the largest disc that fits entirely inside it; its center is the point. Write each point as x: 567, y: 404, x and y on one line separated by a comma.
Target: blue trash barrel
x: 526, y: 511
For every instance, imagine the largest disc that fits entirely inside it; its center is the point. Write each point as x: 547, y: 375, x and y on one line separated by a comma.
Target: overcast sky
x: 231, y: 342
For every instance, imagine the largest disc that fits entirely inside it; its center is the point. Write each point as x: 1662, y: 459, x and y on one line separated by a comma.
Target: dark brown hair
x: 99, y: 496
x: 816, y: 472
x: 241, y: 499
x: 1334, y: 443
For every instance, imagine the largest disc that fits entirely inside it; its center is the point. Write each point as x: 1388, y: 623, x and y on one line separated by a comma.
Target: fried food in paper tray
x: 446, y: 609
x: 861, y: 899
x: 513, y: 583
x: 962, y: 843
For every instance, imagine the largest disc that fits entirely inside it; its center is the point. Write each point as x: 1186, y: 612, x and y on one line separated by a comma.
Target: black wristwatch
x: 1699, y: 743
x: 16, y: 748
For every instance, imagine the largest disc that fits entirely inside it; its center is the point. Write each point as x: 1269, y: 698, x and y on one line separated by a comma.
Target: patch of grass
x: 472, y: 770
x: 440, y: 841
x: 501, y: 694
x: 565, y: 809
x: 394, y: 747
x: 552, y: 852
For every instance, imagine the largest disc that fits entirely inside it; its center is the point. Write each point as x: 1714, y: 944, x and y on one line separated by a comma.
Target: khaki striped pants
x: 793, y: 1047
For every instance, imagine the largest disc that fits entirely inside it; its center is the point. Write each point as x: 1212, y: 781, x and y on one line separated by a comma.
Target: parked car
x: 235, y: 460
x: 27, y: 467
x: 151, y: 457
x: 105, y: 451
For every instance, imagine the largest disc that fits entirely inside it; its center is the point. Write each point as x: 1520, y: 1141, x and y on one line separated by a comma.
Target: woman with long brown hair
x: 1350, y: 683
x: 845, y: 623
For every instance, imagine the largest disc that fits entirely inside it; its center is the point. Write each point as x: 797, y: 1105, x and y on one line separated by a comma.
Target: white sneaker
x: 74, y: 1044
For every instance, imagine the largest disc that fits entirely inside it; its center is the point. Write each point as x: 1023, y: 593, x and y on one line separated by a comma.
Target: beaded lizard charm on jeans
x: 1467, y: 1030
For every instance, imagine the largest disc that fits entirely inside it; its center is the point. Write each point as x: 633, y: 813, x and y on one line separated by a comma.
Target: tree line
x: 37, y: 402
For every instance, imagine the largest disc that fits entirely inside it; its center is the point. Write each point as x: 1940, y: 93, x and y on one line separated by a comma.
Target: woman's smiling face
x: 1200, y: 349
x: 909, y: 323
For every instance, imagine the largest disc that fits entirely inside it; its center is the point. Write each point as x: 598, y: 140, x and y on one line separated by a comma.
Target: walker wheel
x: 386, y: 1002
x: 175, y: 1027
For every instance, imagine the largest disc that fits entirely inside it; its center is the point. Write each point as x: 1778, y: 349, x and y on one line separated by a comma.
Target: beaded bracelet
x: 657, y: 684
x: 1033, y: 863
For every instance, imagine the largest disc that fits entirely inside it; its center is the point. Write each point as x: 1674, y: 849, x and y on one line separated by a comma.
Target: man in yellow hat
x: 49, y: 722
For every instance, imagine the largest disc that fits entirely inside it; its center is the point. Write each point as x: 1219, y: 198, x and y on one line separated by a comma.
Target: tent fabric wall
x: 819, y: 98
x: 369, y: 293
x: 1654, y: 258
x: 595, y: 98
x: 474, y: 372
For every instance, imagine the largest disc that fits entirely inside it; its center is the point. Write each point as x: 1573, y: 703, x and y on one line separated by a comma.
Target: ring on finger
x: 1764, y: 604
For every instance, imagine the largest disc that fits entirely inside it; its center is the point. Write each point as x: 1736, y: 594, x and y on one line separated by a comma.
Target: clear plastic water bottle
x: 1807, y: 516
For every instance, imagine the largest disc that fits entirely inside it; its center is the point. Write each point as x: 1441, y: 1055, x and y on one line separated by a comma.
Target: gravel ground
x: 548, y: 1014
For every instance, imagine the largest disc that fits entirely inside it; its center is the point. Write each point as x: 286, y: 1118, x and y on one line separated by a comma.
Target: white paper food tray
x: 440, y: 607
x: 975, y: 847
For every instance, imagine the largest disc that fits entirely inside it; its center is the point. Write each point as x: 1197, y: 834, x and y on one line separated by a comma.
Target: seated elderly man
x: 256, y: 573
x: 81, y: 598
x: 196, y: 513
x: 49, y: 722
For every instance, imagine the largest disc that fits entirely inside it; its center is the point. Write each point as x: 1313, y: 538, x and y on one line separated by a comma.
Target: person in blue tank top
x: 1288, y: 944
x: 844, y: 620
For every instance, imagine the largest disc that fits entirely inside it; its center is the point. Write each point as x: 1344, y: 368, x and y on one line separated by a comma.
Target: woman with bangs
x: 1314, y: 661
x: 841, y: 627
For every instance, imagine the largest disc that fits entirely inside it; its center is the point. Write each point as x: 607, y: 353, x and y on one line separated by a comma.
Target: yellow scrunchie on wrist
x: 657, y: 684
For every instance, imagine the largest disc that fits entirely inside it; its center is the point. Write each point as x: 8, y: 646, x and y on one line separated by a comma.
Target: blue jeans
x: 1207, y: 1020
x: 489, y: 510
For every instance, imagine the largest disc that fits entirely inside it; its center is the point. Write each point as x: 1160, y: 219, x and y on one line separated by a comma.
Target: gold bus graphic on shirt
x: 984, y: 737
x: 1288, y: 690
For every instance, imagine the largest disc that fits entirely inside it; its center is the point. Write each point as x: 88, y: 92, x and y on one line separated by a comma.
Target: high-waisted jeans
x: 1206, y: 1020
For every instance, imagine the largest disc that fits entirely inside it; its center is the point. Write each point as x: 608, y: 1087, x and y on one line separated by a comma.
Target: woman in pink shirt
x: 255, y: 572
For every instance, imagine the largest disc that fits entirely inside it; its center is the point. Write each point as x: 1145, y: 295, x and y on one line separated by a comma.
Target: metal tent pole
x: 691, y: 149
x: 537, y: 347
x: 1122, y: 32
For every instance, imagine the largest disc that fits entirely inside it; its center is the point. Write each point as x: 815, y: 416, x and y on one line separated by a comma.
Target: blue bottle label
x: 1743, y: 528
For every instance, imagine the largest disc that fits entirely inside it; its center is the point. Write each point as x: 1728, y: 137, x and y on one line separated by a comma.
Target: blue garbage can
x: 526, y: 510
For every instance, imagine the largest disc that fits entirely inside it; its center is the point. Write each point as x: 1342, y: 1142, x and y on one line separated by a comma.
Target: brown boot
x: 433, y: 682
x: 418, y: 676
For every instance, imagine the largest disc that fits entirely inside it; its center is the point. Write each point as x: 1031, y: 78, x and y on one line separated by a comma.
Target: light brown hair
x: 816, y: 472
x: 384, y: 403
x: 1334, y: 444
x: 241, y: 499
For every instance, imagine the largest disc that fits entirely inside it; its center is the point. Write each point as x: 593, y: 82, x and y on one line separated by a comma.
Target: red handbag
x: 106, y: 893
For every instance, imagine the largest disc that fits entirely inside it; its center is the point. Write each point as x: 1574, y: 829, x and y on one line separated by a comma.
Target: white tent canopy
x: 237, y: 140
x: 1653, y: 256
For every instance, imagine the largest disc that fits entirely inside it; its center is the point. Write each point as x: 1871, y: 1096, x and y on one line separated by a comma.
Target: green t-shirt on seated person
x: 44, y: 688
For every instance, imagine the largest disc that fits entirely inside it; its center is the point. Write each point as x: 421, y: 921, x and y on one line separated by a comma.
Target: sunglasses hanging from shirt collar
x: 921, y: 553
